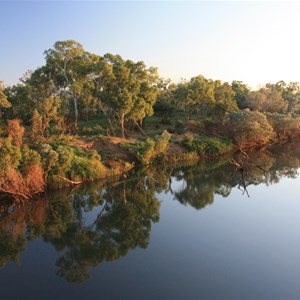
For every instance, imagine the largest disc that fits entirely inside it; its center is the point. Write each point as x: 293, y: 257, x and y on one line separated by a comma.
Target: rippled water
x: 204, y: 231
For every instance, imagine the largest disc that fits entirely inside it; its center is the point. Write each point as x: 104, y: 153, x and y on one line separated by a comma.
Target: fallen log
x: 68, y: 180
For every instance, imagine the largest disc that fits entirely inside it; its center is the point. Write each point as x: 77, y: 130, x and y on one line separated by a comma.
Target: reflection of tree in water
x: 126, y: 209
x: 123, y: 223
x: 126, y: 212
x: 202, y: 181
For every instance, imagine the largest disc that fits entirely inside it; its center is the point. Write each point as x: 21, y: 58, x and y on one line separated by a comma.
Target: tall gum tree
x: 131, y: 91
x: 69, y: 64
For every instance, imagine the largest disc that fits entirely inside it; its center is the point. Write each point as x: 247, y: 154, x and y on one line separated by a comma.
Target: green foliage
x: 195, y: 126
x: 29, y: 157
x: 241, y: 92
x: 91, y: 129
x: 286, y: 126
x: 22, y: 102
x: 62, y: 161
x: 146, y: 152
x: 153, y: 149
x: 179, y: 127
x: 162, y: 143
x: 207, y: 146
x: 3, y: 100
x: 10, y: 155
x: 269, y: 98
x: 249, y: 128
x: 181, y: 157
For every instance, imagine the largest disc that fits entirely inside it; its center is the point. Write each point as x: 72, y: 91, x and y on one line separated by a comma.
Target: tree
x: 249, y: 128
x: 241, y: 92
x: 164, y: 105
x: 224, y: 98
x: 49, y: 113
x: 36, y: 126
x: 68, y: 64
x: 291, y: 94
x: 197, y: 95
x: 4, y: 103
x: 131, y: 91
x: 267, y: 99
x: 22, y: 103
x: 15, y: 131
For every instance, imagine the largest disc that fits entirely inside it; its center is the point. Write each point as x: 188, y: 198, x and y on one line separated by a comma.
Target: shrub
x: 10, y: 155
x: 286, y: 126
x: 249, y: 128
x: 208, y: 146
x: 20, y: 179
x: 70, y: 163
x: 151, y: 150
x: 162, y: 143
x: 146, y: 152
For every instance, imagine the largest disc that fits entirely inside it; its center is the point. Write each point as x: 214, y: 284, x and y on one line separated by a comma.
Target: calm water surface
x: 204, y: 231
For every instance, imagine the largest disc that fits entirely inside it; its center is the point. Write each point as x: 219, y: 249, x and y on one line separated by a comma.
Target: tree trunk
x: 75, y: 115
x: 139, y: 127
x: 122, y: 125
x: 109, y: 120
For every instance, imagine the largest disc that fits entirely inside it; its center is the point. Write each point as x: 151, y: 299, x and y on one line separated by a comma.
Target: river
x: 196, y: 231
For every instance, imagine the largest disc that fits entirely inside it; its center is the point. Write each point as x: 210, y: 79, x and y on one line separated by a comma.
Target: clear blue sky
x: 256, y: 42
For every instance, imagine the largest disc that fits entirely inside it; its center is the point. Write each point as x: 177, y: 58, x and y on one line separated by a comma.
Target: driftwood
x: 68, y: 180
x: 242, y: 170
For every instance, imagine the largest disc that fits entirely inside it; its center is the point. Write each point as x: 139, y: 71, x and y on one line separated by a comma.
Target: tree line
x: 41, y: 115
x: 76, y: 85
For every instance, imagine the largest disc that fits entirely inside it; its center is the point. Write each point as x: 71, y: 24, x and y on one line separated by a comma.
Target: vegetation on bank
x: 121, y: 210
x: 82, y: 116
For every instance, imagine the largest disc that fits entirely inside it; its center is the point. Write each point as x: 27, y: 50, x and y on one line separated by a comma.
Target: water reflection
x: 102, y: 221
x: 125, y: 212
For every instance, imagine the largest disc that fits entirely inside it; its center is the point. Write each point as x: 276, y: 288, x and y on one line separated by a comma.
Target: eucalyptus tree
x: 224, y: 98
x: 131, y: 91
x: 196, y: 95
x: 291, y: 94
x: 268, y: 99
x: 165, y: 104
x: 22, y: 103
x: 69, y: 66
x: 241, y: 92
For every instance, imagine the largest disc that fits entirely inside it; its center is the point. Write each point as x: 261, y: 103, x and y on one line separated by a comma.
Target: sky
x: 255, y: 42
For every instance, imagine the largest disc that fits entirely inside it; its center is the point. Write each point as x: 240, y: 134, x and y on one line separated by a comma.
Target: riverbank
x: 30, y: 166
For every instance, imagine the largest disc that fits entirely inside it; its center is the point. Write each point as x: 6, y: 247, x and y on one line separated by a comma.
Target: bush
x: 285, y: 126
x: 249, y: 128
x: 64, y: 163
x: 146, y: 152
x: 151, y: 150
x: 21, y: 174
x: 162, y: 143
x: 207, y: 146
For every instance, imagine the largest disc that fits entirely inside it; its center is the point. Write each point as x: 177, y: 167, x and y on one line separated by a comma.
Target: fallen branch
x: 68, y: 180
x: 15, y: 195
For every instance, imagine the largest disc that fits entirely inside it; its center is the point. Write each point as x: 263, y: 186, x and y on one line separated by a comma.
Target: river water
x: 200, y: 231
